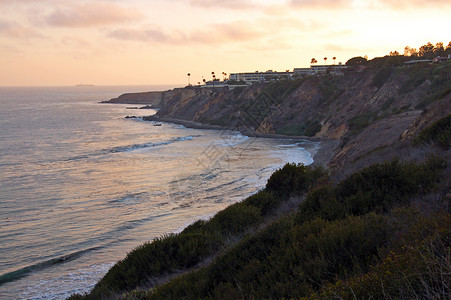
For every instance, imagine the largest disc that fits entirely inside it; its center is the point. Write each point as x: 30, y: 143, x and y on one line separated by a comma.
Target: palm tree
x: 313, y: 61
x: 325, y: 59
x: 189, y: 74
x: 334, y: 58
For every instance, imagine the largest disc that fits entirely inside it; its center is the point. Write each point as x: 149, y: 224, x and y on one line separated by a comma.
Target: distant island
x: 84, y: 85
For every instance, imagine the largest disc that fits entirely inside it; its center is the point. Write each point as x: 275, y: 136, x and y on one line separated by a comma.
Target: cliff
x: 151, y: 98
x: 369, y: 109
x: 367, y: 229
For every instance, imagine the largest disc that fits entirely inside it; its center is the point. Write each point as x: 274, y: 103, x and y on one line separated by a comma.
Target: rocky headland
x: 373, y: 107
x: 370, y: 219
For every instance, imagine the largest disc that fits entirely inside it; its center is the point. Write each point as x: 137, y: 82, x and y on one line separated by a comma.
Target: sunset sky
x: 118, y: 42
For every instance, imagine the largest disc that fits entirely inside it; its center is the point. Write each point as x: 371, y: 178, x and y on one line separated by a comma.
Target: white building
x: 321, y: 69
x: 257, y: 76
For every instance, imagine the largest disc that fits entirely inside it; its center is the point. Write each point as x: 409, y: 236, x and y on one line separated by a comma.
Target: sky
x: 142, y: 42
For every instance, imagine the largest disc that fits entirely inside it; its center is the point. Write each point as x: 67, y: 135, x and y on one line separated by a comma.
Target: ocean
x: 81, y: 185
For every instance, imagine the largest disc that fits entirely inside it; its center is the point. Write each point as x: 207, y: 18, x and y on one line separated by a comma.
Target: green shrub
x: 308, y: 128
x: 417, y: 270
x: 378, y: 187
x: 381, y: 76
x: 329, y: 89
x: 312, y: 129
x: 361, y: 121
x: 279, y: 90
x: 434, y: 97
x: 285, y: 260
x: 418, y: 75
x: 265, y: 201
x: 322, y: 203
x: 161, y: 256
x: 337, y: 233
x: 439, y: 132
x: 235, y: 219
x: 294, y: 179
x: 292, y: 130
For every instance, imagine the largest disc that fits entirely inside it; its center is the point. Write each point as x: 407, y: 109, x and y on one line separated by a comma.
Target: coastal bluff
x: 371, y: 220
x: 152, y: 98
x: 367, y: 111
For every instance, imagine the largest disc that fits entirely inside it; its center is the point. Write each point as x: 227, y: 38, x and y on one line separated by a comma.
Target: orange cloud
x: 148, y: 33
x: 320, y: 3
x: 14, y: 30
x: 212, y: 34
x: 230, y: 4
x: 415, y: 3
x: 91, y: 14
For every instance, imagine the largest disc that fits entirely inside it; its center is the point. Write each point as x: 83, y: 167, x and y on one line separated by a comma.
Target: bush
x: 265, y: 201
x: 308, y: 128
x: 439, y: 132
x: 312, y: 129
x: 285, y: 260
x: 378, y: 188
x: 381, y: 76
x: 280, y: 89
x: 418, y: 75
x: 294, y: 179
x: 329, y: 89
x: 417, y: 270
x: 235, y: 219
x: 360, y: 122
x: 381, y: 186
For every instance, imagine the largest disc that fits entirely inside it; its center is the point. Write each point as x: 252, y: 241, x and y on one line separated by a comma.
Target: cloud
x: 90, y: 14
x: 148, y: 33
x: 230, y: 4
x: 372, y: 4
x: 415, y: 3
x: 326, y: 4
x: 14, y: 30
x: 219, y: 33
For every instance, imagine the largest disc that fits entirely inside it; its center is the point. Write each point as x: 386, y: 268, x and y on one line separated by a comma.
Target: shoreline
x: 322, y: 156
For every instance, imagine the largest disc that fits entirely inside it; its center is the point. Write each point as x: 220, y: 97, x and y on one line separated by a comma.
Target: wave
x: 121, y: 149
x: 226, y: 184
x: 148, y: 145
x: 233, y: 140
x: 20, y: 273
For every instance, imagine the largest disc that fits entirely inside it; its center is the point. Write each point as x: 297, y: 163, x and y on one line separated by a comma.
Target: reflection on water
x: 81, y: 185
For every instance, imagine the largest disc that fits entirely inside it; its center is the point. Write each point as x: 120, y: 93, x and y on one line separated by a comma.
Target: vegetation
x: 338, y: 234
x: 439, y: 133
x: 330, y: 89
x: 277, y: 91
x: 308, y: 128
x: 361, y: 121
x: 382, y: 233
x: 202, y: 239
x: 381, y: 77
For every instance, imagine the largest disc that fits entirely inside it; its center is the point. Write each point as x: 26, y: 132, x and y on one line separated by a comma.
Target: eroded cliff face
x: 367, y: 110
x: 152, y: 98
x: 327, y: 106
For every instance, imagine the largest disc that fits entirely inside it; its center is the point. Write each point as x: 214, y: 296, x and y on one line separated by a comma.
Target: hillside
x: 374, y: 224
x: 373, y: 106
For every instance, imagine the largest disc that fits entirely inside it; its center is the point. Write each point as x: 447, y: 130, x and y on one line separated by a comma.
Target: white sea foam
x: 87, y: 178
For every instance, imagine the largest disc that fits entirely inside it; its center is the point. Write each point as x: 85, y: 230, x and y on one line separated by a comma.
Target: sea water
x: 81, y: 185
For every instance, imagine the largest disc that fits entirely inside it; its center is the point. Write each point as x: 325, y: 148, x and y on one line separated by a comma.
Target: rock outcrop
x: 368, y: 109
